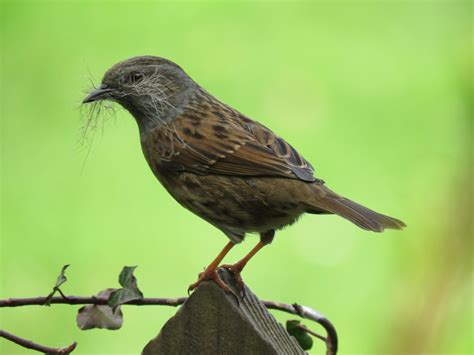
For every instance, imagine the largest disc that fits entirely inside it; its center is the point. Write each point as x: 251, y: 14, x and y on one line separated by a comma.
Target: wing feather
x: 232, y: 146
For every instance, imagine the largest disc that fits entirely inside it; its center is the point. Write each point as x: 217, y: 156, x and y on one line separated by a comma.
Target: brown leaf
x: 100, y: 316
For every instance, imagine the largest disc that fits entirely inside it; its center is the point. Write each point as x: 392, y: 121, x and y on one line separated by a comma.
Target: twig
x: 38, y: 347
x: 301, y: 311
x: 38, y: 301
x: 309, y: 331
x: 62, y: 294
x: 309, y: 313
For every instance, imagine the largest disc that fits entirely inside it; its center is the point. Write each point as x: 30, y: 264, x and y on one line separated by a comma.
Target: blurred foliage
x: 377, y: 95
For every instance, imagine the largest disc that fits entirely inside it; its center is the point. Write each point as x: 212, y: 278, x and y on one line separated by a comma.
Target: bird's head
x: 151, y: 88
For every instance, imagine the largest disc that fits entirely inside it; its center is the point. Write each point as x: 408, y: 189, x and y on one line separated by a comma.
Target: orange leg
x: 211, y: 271
x: 236, y: 269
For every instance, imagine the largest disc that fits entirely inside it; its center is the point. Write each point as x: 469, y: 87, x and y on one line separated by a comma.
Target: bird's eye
x: 136, y: 78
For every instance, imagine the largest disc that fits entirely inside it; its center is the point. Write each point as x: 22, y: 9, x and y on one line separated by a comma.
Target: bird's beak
x: 99, y: 93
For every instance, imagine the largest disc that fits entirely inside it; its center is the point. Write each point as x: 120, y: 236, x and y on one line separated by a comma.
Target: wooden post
x: 214, y: 322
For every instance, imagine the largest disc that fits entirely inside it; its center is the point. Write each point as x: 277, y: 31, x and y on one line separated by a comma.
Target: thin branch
x: 34, y: 346
x: 309, y: 313
x: 39, y: 301
x: 301, y: 311
x: 61, y: 293
x: 309, y: 331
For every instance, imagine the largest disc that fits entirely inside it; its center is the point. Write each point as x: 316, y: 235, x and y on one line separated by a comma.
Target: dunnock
x: 228, y: 169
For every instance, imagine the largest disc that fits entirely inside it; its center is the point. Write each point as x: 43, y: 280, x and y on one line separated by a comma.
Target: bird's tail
x: 326, y: 201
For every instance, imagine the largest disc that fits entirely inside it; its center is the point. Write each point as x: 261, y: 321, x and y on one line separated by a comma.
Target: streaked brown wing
x: 233, y: 147
x: 283, y: 150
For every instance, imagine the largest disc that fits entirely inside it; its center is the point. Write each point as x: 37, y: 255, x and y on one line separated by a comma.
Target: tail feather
x: 328, y: 201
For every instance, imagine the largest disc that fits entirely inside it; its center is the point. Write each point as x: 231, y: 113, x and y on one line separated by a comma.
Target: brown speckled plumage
x: 228, y: 169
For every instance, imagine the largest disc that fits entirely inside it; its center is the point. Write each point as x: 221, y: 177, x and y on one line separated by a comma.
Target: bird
x: 226, y: 168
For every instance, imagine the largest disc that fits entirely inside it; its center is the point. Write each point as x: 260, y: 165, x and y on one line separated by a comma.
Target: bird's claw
x: 207, y: 275
x: 236, y: 269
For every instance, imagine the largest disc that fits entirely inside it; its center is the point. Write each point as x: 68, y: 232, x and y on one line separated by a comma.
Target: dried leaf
x: 100, y: 316
x: 129, y: 290
x: 61, y: 279
x: 294, y: 328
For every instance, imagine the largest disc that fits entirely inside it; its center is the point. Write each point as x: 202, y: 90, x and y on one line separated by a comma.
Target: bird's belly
x: 233, y: 204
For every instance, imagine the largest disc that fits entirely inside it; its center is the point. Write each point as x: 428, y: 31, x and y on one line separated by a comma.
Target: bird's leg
x: 211, y: 271
x: 265, y: 239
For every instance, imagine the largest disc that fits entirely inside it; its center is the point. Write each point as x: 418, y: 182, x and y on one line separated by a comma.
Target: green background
x: 377, y: 95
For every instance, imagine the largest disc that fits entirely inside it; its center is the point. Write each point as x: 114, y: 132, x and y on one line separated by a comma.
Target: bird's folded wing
x: 239, y: 148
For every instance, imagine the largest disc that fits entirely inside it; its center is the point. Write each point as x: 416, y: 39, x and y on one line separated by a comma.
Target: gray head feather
x: 152, y: 89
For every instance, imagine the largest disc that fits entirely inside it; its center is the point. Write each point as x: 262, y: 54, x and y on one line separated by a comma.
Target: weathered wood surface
x: 213, y: 322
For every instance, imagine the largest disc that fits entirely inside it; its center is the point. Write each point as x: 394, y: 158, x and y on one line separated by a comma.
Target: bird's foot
x: 207, y: 275
x: 236, y: 269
